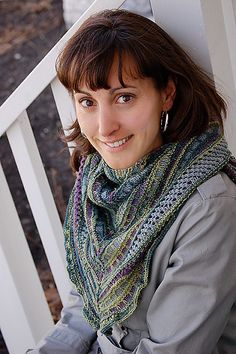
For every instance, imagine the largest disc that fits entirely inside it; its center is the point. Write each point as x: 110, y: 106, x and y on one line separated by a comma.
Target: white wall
x: 73, y: 9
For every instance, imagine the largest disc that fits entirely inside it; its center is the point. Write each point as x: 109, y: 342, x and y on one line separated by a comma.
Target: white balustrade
x: 33, y: 176
x: 24, y: 312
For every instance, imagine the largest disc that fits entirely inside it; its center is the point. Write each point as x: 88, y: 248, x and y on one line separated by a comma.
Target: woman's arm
x: 191, y: 307
x: 71, y: 335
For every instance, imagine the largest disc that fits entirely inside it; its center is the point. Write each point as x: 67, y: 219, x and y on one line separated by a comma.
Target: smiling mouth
x: 118, y: 142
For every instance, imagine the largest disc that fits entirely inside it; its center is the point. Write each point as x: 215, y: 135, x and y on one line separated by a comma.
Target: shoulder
x: 218, y: 189
x: 218, y: 186
x: 210, y: 211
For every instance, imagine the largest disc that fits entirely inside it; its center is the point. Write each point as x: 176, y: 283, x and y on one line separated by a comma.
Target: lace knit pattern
x: 116, y: 219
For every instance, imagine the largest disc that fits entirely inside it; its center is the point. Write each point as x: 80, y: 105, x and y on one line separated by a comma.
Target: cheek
x: 86, y: 127
x: 147, y: 118
x: 84, y: 121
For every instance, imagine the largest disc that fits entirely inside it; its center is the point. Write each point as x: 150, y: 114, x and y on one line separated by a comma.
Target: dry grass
x: 27, y: 13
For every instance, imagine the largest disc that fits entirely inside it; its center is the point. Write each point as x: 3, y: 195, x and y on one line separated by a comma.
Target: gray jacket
x: 189, y: 305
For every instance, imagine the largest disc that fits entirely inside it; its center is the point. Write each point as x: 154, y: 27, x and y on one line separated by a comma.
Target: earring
x: 83, y: 135
x: 164, y: 121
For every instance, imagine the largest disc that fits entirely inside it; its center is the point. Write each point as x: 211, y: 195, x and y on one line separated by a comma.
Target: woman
x: 150, y: 225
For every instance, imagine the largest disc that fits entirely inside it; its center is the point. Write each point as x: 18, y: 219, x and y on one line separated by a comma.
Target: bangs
x: 89, y: 54
x: 92, y: 69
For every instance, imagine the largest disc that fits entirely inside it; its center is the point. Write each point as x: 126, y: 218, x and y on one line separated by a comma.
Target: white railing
x: 24, y: 312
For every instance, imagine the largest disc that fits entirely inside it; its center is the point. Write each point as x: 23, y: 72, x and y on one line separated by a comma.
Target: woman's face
x: 122, y: 124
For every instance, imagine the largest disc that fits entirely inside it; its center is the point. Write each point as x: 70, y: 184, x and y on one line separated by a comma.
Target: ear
x: 168, y: 95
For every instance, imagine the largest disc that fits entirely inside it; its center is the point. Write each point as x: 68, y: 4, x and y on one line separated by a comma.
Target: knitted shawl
x: 117, y: 218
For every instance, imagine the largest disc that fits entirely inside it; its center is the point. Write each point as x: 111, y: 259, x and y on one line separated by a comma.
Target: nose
x: 107, y: 121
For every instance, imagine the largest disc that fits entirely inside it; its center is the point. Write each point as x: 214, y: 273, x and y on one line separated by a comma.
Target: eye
x: 86, y: 103
x: 124, y: 98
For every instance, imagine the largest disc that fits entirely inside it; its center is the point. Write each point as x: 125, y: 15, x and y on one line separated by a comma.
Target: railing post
x: 40, y: 198
x: 25, y: 316
x: 64, y: 103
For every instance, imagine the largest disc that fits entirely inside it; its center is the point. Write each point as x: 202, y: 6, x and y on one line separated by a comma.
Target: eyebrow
x: 111, y: 91
x: 81, y: 91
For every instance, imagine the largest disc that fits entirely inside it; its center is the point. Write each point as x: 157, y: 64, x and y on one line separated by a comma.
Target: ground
x: 29, y: 29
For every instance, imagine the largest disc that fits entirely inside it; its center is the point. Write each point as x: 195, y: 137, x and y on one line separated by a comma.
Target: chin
x: 119, y: 165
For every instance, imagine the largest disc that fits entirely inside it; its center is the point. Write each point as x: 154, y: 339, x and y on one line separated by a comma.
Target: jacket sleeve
x: 71, y: 335
x: 190, y: 307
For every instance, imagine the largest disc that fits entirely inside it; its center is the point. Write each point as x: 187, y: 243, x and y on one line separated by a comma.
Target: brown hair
x: 88, y: 56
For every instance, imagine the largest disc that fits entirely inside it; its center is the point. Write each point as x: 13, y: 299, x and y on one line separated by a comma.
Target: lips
x: 118, y: 143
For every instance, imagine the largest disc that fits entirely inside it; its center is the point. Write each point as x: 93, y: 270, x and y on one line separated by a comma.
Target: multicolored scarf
x: 117, y: 218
